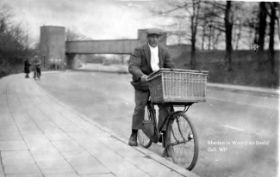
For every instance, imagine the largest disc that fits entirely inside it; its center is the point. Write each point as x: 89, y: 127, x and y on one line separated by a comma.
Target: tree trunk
x: 278, y: 21
x: 193, y: 40
x: 273, y: 7
x: 209, y: 38
x: 228, y: 26
x: 203, y: 35
x: 261, y: 33
x: 238, y: 36
x: 194, y: 23
x: 262, y: 26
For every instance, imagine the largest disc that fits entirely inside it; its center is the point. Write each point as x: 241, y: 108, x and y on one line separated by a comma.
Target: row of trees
x: 13, y: 43
x: 224, y: 25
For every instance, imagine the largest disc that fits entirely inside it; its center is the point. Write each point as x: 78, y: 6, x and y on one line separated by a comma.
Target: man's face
x: 153, y: 40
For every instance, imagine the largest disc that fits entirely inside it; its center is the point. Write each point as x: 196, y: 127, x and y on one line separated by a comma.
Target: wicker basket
x: 178, y: 86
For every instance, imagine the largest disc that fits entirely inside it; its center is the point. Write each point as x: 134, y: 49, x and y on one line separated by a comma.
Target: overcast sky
x: 97, y: 19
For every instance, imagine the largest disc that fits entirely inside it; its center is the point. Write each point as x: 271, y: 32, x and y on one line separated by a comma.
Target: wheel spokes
x: 181, y: 142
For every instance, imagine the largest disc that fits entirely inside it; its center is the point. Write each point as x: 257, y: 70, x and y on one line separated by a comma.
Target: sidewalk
x: 42, y: 137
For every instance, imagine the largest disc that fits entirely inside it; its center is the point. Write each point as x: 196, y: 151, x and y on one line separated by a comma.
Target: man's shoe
x: 133, y: 140
x: 165, y: 153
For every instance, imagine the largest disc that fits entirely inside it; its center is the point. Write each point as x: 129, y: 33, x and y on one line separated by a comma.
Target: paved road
x: 237, y: 130
x: 42, y: 137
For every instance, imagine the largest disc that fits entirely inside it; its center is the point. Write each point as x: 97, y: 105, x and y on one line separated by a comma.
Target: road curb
x: 247, y: 89
x: 235, y: 88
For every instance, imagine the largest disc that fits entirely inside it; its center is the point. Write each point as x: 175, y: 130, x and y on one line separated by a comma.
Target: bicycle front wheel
x: 182, y: 141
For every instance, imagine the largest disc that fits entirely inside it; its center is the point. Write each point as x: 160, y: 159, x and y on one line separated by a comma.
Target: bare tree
x: 277, y: 20
x: 5, y: 15
x: 261, y: 26
x: 72, y: 35
x: 215, y: 24
x: 210, y: 23
x: 260, y: 32
x: 194, y: 22
x: 221, y: 10
x: 191, y: 13
x: 228, y: 28
x: 13, y: 42
x: 273, y: 17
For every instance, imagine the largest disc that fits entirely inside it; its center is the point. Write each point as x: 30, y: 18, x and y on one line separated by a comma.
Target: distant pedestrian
x: 37, y: 67
x: 27, y: 67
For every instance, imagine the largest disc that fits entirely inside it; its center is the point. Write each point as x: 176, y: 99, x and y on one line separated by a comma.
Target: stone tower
x: 52, y: 46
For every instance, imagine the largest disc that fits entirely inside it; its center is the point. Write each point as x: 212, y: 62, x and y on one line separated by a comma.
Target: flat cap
x: 155, y: 31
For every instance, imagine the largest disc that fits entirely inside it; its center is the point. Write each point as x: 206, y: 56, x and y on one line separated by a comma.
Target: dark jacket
x: 26, y: 66
x: 140, y: 64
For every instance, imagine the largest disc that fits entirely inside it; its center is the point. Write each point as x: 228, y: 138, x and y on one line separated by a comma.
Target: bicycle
x: 180, y: 141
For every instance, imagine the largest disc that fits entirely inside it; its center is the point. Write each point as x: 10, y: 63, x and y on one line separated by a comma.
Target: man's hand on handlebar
x: 144, y: 78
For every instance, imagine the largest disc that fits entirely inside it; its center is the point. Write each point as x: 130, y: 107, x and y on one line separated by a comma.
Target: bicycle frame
x: 152, y: 115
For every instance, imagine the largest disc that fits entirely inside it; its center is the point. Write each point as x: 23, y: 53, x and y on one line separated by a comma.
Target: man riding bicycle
x: 144, y: 61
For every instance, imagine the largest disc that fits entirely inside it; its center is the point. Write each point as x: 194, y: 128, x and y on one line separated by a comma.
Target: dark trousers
x: 141, y: 98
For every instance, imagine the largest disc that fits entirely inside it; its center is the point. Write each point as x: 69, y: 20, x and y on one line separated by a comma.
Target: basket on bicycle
x: 178, y: 86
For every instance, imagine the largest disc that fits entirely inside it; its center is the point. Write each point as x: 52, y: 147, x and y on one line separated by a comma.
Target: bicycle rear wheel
x: 142, y: 138
x: 182, y: 141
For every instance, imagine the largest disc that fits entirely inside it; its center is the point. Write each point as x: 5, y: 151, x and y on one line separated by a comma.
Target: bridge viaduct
x: 56, y: 50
